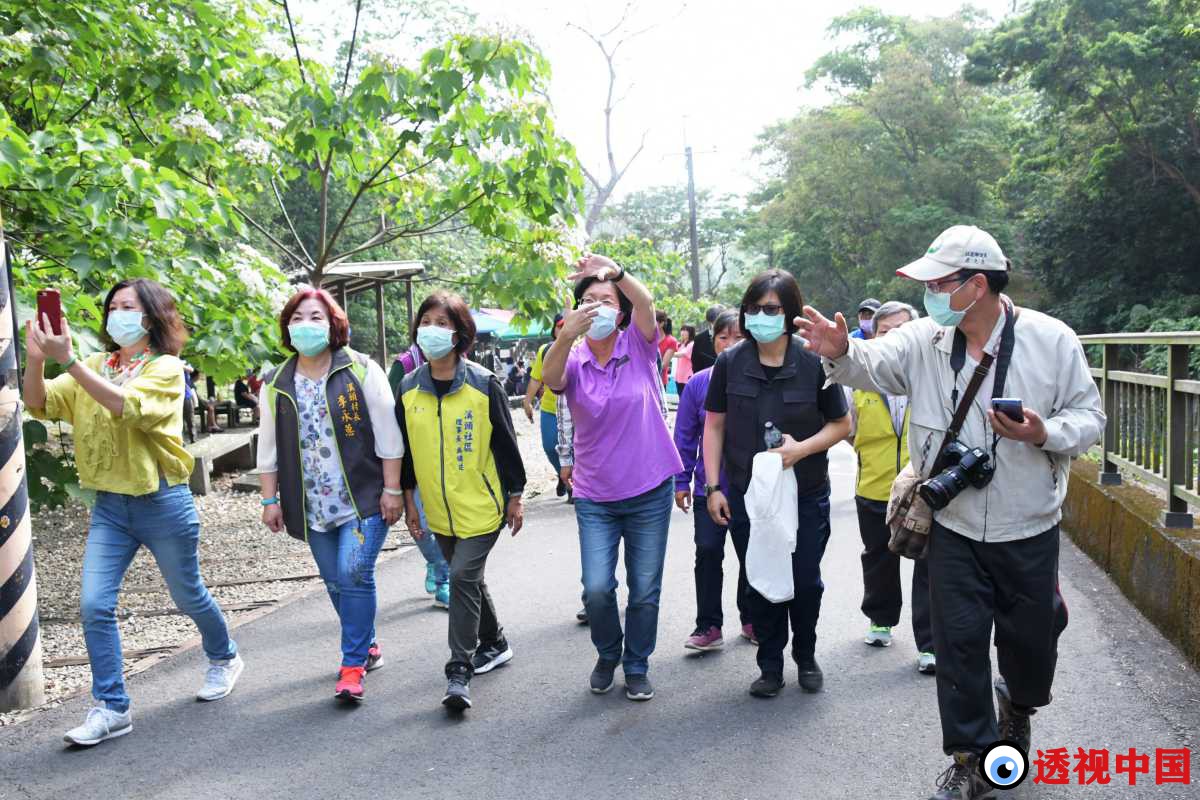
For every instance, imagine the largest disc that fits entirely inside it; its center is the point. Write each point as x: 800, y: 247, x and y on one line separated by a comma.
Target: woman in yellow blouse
x: 126, y: 409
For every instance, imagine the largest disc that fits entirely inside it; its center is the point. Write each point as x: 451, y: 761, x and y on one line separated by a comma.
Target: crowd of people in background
x: 765, y: 391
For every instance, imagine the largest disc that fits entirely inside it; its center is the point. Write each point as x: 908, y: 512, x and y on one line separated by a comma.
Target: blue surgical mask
x: 764, y: 327
x: 937, y: 305
x: 604, y: 323
x: 125, y: 327
x: 309, y: 338
x: 435, y: 341
x: 867, y: 326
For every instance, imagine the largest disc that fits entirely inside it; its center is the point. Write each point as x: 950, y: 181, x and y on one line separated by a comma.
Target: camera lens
x: 939, y: 490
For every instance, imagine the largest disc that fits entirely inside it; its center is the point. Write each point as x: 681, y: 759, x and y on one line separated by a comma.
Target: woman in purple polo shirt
x: 710, y: 536
x: 612, y: 387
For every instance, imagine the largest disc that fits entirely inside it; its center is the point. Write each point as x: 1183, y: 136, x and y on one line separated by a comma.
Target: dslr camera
x: 967, y: 466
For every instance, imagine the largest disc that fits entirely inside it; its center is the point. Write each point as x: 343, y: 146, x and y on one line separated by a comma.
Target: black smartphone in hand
x: 1010, y: 407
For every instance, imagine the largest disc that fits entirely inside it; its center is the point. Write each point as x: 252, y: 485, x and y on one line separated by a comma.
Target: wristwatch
x: 617, y: 275
x: 710, y: 488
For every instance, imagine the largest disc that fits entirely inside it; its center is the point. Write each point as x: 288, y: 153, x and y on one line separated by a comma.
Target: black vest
x: 353, y: 435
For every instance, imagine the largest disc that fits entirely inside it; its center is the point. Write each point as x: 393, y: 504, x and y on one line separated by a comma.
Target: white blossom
x: 193, y: 123
x: 245, y: 100
x: 138, y: 163
x: 254, y: 151
x: 54, y: 36
x: 274, y: 123
x: 22, y: 39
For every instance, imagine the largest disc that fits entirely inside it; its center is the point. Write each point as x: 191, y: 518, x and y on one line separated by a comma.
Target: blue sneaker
x: 430, y: 580
x: 441, y: 598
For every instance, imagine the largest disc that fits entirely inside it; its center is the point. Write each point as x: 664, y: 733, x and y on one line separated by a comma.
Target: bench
x: 237, y: 450
x: 231, y: 411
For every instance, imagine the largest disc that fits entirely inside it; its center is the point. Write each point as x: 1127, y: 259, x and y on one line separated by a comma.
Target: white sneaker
x: 101, y: 724
x: 220, y: 678
x: 927, y: 664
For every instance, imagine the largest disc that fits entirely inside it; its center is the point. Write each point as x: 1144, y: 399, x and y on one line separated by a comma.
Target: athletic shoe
x: 927, y: 664
x: 374, y: 657
x: 350, y: 684
x: 637, y: 687
x: 581, y: 616
x: 100, y: 724
x: 458, y: 688
x: 441, y: 599
x: 879, y: 636
x: 810, y: 677
x: 602, y: 676
x: 494, y: 655
x: 768, y: 684
x: 962, y: 780
x: 705, y: 640
x: 220, y: 678
x: 748, y: 634
x: 430, y: 578
x: 1012, y: 722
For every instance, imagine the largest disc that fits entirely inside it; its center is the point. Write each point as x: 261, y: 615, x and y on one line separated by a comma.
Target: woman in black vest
x: 770, y: 378
x: 329, y: 453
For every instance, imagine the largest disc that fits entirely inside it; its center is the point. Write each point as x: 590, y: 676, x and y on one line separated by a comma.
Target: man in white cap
x: 993, y: 546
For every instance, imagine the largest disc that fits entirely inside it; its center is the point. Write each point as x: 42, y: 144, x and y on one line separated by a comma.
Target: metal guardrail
x: 1153, y: 428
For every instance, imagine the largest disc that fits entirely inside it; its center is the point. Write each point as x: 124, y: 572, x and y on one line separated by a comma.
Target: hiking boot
x: 431, y: 583
x: 493, y: 655
x: 441, y: 597
x: 374, y: 657
x: 809, y: 675
x: 927, y: 664
x: 100, y: 725
x: 458, y: 688
x: 879, y: 636
x: 637, y: 686
x: 962, y: 780
x: 705, y: 640
x: 748, y: 634
x: 350, y: 684
x: 220, y: 678
x: 602, y: 676
x: 1013, y: 723
x: 768, y: 684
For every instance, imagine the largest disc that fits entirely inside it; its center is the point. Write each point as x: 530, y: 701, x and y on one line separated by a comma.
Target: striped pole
x: 21, y: 681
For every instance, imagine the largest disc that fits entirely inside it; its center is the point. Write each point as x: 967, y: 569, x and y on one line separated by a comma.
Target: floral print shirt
x: 325, y: 492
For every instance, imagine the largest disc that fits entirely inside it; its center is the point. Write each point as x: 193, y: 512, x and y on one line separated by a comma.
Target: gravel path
x: 234, y: 546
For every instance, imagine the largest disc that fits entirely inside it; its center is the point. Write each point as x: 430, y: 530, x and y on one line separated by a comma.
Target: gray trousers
x: 472, y: 615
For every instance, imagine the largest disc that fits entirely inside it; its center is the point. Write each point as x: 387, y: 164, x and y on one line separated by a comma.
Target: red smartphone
x: 49, y: 305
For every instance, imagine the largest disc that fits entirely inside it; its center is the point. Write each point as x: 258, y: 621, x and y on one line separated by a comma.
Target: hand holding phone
x: 49, y: 307
x: 1010, y: 407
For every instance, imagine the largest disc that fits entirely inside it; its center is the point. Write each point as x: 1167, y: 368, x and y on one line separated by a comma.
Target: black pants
x: 472, y: 614
x: 973, y: 585
x: 710, y: 576
x: 189, y: 417
x: 770, y: 620
x: 882, y: 596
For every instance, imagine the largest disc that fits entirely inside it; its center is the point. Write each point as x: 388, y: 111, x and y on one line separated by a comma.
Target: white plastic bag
x: 774, y: 518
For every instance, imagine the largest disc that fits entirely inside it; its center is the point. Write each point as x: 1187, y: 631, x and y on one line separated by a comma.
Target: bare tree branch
x: 353, y: 39
x: 288, y: 218
x: 295, y: 45
x: 258, y: 227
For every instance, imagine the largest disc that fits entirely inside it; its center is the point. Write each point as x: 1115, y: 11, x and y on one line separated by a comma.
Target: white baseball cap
x: 958, y: 247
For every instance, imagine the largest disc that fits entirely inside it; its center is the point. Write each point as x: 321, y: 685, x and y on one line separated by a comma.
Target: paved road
x: 537, y: 733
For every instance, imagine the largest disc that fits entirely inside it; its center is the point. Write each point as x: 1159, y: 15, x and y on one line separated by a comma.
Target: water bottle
x: 772, y: 436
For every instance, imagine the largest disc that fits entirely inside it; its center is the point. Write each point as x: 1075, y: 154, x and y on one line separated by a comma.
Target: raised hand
x: 592, y: 265
x: 825, y: 338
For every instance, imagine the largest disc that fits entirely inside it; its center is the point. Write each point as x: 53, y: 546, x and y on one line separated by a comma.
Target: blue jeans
x: 550, y: 438
x: 346, y: 560
x: 166, y: 522
x: 428, y: 546
x: 642, y: 521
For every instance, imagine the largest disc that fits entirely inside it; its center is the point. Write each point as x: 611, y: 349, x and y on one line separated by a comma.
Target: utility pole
x: 22, y: 684
x: 692, y: 225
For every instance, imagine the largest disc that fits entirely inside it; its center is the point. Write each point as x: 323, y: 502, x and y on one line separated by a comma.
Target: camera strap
x: 958, y: 359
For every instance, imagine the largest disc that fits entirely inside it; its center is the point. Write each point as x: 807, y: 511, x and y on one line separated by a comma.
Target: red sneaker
x: 350, y: 684
x: 748, y: 633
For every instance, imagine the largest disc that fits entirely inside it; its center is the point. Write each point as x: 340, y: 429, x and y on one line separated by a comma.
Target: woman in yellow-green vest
x: 126, y: 409
x: 461, y: 452
x: 880, y: 438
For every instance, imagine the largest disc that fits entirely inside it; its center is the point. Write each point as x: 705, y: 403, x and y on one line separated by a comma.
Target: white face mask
x: 604, y: 323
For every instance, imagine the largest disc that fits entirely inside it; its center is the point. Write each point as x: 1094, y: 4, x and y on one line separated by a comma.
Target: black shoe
x: 581, y: 616
x: 602, y: 676
x: 962, y: 780
x: 561, y: 489
x: 1013, y: 723
x: 768, y: 684
x: 810, y: 677
x: 493, y: 655
x: 570, y: 497
x: 458, y: 688
x: 637, y: 687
